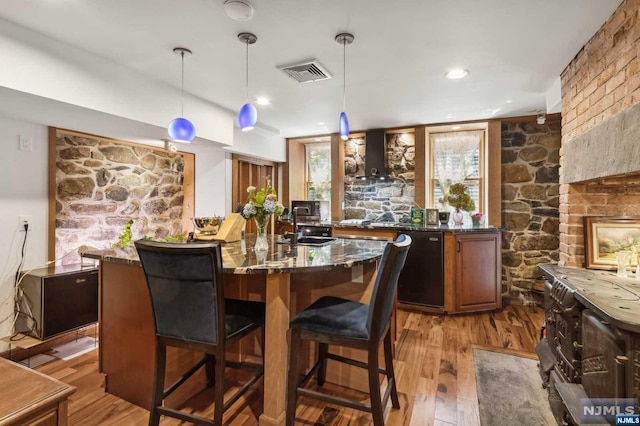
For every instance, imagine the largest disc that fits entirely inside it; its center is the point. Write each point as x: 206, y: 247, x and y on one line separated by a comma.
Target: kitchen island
x: 288, y: 278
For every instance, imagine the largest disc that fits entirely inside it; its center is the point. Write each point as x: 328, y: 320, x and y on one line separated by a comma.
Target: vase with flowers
x: 261, y: 204
x: 460, y: 199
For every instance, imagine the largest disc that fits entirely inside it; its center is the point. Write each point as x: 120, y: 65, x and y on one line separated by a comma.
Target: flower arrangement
x: 459, y: 197
x: 262, y: 203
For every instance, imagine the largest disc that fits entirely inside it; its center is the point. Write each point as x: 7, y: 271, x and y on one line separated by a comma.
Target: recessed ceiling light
x: 263, y: 101
x: 508, y: 102
x: 456, y: 127
x: 449, y: 115
x: 320, y: 123
x: 457, y: 73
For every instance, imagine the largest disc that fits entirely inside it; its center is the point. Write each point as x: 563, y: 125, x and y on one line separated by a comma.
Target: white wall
x: 23, y: 191
x: 52, y: 70
x: 259, y: 143
x: 211, y: 181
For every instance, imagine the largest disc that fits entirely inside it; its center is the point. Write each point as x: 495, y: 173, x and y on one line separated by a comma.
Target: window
x: 456, y: 157
x: 318, y: 174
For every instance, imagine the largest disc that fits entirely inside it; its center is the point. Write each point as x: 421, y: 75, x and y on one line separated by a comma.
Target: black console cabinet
x: 62, y: 298
x: 421, y: 281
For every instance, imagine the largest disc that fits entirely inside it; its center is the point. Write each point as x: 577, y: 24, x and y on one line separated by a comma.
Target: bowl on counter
x: 207, y: 225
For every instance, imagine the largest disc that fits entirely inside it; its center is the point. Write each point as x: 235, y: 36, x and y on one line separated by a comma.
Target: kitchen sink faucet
x: 293, y: 239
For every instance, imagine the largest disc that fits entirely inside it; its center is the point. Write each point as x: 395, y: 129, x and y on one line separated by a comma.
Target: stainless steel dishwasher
x: 421, y: 281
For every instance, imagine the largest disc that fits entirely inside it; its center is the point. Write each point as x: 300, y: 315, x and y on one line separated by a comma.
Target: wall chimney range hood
x: 374, y: 161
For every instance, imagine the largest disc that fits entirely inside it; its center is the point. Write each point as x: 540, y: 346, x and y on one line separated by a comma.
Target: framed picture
x: 605, y: 235
x: 432, y: 217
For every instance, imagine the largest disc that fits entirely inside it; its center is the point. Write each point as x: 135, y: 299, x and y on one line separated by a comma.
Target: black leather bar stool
x: 186, y: 286
x: 336, y: 321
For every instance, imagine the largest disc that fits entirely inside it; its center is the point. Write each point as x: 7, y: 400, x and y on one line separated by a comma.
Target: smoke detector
x: 240, y: 10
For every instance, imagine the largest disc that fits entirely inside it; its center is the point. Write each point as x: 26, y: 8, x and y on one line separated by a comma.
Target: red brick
x: 615, y: 81
x: 624, y: 199
x: 632, y: 83
x: 583, y: 107
x: 597, y: 95
x: 624, y: 60
x: 605, y: 75
x: 602, y: 210
x: 590, y: 88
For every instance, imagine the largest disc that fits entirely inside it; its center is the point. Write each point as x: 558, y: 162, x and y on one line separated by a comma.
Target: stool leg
x: 377, y: 410
x: 391, y: 377
x: 218, y: 410
x: 294, y: 374
x: 209, y: 368
x: 158, y: 383
x: 323, y: 348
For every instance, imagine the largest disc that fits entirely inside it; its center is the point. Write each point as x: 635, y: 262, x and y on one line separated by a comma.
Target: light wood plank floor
x: 434, y: 368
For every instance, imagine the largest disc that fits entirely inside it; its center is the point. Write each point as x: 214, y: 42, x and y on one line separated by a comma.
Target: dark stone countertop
x: 400, y: 226
x: 613, y: 298
x: 240, y: 258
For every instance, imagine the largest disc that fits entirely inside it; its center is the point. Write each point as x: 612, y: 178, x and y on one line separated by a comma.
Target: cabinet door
x: 478, y: 272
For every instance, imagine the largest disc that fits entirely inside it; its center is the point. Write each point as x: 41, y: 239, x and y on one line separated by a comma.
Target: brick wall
x: 601, y: 81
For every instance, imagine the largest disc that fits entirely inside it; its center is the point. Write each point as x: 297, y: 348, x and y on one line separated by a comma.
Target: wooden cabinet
x: 472, y: 271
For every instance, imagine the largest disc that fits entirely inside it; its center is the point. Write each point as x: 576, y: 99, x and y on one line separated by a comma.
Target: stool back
x: 384, y: 290
x: 186, y: 286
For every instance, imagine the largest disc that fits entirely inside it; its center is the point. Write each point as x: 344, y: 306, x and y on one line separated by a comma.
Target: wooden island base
x: 127, y: 342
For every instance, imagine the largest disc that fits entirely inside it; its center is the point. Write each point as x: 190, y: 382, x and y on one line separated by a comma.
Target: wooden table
x: 28, y: 397
x: 287, y: 278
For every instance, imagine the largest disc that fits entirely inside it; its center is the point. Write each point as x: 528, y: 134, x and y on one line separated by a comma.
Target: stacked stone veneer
x: 598, y: 86
x: 530, y: 189
x: 383, y: 201
x: 102, y: 184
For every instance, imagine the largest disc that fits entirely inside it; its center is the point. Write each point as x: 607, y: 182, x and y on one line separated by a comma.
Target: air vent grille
x: 306, y: 72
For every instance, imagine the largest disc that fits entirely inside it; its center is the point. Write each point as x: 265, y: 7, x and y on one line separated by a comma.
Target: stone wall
x: 101, y: 184
x: 382, y: 201
x: 530, y: 198
x: 602, y: 81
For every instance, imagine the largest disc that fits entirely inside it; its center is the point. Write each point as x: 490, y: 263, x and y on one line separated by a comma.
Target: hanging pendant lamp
x: 343, y: 124
x: 181, y: 129
x: 248, y: 115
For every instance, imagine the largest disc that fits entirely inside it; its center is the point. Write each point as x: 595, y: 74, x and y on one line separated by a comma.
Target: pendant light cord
x: 344, y: 74
x: 247, y: 73
x: 182, y: 87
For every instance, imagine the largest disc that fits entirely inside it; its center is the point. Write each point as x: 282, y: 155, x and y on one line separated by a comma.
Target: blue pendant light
x: 343, y: 125
x: 180, y: 129
x: 248, y: 115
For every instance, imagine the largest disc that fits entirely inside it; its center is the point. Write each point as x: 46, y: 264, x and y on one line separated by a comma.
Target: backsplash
x: 382, y: 201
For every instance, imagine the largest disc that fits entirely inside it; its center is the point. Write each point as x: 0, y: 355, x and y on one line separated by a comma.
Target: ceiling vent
x: 306, y: 72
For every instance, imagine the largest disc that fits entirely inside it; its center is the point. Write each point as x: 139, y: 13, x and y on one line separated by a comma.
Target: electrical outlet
x: 25, y: 219
x: 25, y: 143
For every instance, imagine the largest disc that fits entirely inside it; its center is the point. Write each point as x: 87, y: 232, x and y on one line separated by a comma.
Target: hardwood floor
x: 434, y: 368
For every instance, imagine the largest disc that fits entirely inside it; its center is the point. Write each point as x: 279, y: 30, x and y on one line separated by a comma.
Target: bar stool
x: 336, y: 321
x: 186, y: 286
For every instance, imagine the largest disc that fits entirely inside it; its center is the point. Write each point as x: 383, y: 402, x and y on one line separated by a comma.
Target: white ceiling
x: 514, y: 50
